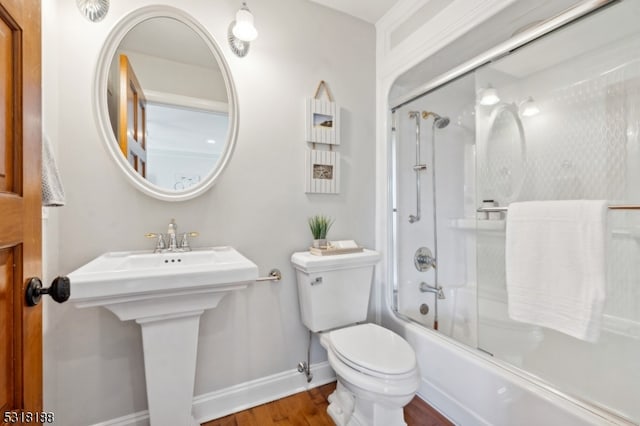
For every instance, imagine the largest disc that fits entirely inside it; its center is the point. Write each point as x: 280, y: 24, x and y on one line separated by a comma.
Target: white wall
x: 158, y: 75
x: 93, y: 362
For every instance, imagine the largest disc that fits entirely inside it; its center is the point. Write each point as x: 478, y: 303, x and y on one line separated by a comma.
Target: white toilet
x: 377, y: 370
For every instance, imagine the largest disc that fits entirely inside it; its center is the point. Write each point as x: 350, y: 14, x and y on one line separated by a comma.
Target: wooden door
x: 132, y: 124
x: 20, y: 210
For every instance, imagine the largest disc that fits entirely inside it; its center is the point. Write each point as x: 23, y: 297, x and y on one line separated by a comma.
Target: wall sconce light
x: 488, y: 96
x: 528, y: 107
x: 242, y: 32
x: 93, y: 10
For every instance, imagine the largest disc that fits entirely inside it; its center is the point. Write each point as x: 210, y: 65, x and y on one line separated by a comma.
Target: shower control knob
x: 424, y: 260
x: 59, y: 291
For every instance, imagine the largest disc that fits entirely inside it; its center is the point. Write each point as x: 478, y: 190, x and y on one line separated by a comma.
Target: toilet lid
x: 374, y: 348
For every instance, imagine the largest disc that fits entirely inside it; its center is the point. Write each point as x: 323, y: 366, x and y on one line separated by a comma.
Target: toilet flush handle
x: 317, y: 280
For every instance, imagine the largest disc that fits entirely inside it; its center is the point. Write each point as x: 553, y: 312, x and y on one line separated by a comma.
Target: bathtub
x: 472, y: 388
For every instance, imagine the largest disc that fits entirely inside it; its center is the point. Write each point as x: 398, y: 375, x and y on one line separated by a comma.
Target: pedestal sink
x: 165, y: 293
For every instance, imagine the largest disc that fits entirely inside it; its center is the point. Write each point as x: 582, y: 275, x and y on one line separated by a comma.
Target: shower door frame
x: 517, y: 41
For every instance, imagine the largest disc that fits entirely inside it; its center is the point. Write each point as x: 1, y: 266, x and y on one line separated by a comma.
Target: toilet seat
x: 374, y: 351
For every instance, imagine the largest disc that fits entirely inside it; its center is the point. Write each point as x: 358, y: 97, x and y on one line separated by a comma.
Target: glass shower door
x: 433, y: 156
x: 582, y: 143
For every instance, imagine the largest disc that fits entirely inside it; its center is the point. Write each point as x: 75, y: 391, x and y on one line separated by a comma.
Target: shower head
x: 438, y: 121
x: 441, y: 122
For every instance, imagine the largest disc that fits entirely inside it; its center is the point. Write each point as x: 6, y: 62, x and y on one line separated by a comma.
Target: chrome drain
x: 424, y: 309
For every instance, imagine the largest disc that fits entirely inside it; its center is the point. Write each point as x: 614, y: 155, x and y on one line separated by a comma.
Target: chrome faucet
x: 184, y: 241
x: 162, y: 245
x: 427, y: 288
x: 172, y: 229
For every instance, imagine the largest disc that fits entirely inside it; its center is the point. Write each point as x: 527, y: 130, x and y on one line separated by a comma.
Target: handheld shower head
x: 438, y: 121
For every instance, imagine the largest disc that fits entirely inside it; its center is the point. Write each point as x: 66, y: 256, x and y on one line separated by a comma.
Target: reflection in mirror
x: 505, y: 157
x: 168, y: 104
x: 201, y: 135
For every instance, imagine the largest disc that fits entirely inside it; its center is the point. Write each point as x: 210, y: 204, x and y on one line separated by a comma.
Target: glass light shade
x: 244, y: 29
x: 93, y: 10
x: 489, y: 96
x: 529, y: 108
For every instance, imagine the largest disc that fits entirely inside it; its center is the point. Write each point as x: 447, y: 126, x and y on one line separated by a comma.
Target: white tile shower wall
x: 93, y: 362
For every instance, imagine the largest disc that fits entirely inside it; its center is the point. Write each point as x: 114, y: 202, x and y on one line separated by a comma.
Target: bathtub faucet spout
x: 427, y: 288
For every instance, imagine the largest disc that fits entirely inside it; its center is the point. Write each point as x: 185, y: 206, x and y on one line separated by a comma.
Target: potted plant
x: 319, y: 225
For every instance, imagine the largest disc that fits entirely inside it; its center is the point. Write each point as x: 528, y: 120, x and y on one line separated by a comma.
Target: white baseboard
x: 140, y: 418
x: 241, y: 397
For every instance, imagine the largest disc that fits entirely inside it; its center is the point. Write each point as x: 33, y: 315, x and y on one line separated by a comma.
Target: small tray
x: 331, y: 251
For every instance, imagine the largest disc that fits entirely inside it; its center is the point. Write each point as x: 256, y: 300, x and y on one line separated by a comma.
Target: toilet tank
x: 334, y: 291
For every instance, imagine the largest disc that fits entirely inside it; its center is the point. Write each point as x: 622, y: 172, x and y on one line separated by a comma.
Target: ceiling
x: 367, y: 10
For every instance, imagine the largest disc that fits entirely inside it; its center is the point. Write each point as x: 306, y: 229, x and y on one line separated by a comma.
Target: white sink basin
x: 141, y: 274
x: 166, y: 293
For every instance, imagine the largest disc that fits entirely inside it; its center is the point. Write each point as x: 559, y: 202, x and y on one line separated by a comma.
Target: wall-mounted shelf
x: 472, y: 224
x: 488, y: 225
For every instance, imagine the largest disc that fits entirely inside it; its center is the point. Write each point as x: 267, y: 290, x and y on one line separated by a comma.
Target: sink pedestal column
x: 170, y: 343
x: 170, y: 346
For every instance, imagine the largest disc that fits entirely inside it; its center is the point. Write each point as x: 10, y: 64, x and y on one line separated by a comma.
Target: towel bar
x: 612, y: 207
x: 274, y: 275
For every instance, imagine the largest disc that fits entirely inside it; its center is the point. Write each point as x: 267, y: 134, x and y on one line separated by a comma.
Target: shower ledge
x: 473, y: 224
x: 166, y: 293
x: 495, y: 225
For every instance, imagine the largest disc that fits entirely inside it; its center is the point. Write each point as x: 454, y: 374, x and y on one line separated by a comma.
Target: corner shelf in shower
x: 473, y: 224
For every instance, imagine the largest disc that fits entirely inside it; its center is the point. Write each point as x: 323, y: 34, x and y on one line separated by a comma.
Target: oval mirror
x: 505, y: 155
x: 165, y: 103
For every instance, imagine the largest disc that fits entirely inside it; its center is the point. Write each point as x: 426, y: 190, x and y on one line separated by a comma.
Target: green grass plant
x: 319, y: 225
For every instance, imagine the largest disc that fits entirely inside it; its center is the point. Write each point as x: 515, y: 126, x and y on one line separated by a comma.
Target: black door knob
x: 59, y: 291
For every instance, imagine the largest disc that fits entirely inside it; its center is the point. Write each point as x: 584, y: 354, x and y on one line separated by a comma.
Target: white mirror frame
x: 115, y: 37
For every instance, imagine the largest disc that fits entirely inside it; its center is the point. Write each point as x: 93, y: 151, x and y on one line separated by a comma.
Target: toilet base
x: 345, y: 409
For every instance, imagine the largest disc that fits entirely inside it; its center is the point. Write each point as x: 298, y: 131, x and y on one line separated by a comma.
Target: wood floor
x: 310, y: 409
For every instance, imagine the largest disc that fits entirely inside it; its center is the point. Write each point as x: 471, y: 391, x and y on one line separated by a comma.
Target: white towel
x: 556, y: 265
x: 52, y: 190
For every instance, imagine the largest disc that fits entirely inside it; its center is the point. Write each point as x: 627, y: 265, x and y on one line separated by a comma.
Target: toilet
x: 376, y: 368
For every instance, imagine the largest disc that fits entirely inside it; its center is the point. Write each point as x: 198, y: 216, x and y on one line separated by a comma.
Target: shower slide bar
x: 612, y: 207
x: 418, y: 167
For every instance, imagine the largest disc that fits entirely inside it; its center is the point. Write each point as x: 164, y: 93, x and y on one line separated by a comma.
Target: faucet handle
x: 184, y: 243
x: 160, y: 244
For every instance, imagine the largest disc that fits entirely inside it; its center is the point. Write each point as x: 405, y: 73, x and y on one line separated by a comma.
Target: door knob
x: 60, y: 290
